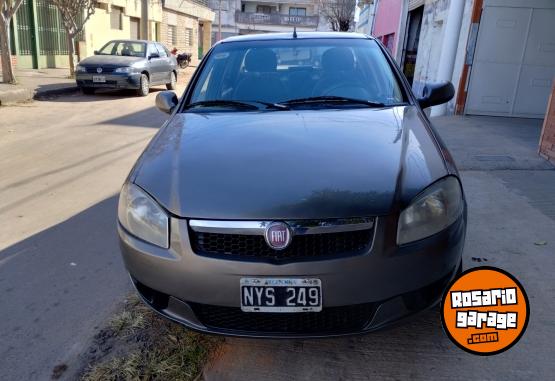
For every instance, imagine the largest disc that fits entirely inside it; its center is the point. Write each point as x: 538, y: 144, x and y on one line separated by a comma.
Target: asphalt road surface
x: 62, y: 162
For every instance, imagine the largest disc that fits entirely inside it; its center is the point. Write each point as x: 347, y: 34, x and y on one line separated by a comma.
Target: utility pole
x: 219, y: 20
x: 144, y: 19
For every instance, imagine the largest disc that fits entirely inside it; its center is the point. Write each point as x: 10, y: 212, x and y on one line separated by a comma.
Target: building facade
x: 499, y: 54
x: 387, y: 23
x: 119, y: 19
x: 187, y: 26
x: 263, y: 16
x: 38, y: 38
x: 364, y: 17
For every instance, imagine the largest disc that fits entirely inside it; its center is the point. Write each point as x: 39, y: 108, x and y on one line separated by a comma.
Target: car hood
x: 110, y: 60
x: 290, y: 164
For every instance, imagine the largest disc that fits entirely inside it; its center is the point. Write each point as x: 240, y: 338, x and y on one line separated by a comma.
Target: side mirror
x: 96, y: 52
x: 436, y: 93
x: 166, y: 101
x: 154, y: 55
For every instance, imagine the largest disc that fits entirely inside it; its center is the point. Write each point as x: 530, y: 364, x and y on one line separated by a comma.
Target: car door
x: 166, y: 62
x: 155, y: 64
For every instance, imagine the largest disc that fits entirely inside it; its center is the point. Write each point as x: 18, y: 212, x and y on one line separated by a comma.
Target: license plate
x: 99, y: 78
x: 281, y: 295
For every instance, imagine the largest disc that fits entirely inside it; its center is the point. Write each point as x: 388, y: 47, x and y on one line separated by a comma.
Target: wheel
x: 183, y: 64
x: 87, y: 90
x: 173, y: 81
x: 144, y: 87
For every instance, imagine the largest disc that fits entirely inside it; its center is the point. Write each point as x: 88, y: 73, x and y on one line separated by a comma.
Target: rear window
x: 280, y: 70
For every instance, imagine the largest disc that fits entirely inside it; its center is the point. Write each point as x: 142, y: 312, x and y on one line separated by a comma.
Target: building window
x: 172, y: 34
x: 188, y: 36
x: 115, y: 18
x: 297, y: 11
x: 266, y: 9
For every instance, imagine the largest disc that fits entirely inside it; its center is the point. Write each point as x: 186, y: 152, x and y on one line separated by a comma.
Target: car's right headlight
x: 126, y: 69
x: 434, y: 209
x: 80, y: 69
x: 141, y: 216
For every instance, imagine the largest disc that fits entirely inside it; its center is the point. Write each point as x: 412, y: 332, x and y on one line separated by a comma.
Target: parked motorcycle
x: 183, y: 59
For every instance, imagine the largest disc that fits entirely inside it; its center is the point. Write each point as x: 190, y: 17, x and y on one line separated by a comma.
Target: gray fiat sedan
x: 297, y: 189
x: 127, y: 64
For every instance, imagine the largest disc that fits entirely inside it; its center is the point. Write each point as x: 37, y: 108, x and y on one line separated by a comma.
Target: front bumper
x: 113, y: 81
x: 377, y: 288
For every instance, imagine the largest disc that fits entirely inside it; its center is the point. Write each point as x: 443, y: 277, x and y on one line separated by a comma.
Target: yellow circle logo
x: 485, y: 311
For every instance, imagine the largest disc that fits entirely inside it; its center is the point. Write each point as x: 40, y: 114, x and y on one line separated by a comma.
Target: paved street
x: 62, y: 161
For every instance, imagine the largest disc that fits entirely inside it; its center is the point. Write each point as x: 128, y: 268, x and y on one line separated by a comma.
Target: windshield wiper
x: 333, y: 99
x: 252, y: 105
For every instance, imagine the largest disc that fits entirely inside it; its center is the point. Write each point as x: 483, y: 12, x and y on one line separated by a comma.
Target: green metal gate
x: 39, y: 37
x: 25, y: 29
x: 52, y: 35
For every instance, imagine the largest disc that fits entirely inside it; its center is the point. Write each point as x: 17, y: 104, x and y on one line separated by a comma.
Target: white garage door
x: 514, y: 61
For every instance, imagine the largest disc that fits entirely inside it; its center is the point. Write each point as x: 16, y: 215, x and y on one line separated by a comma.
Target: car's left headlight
x: 141, y: 216
x: 437, y: 207
x: 123, y: 70
x: 80, y: 69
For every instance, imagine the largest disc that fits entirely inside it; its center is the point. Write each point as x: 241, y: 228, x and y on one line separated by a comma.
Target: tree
x: 339, y: 13
x: 7, y: 10
x: 75, y: 13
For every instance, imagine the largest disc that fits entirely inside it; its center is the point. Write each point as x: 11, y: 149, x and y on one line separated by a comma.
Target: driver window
x: 152, y: 50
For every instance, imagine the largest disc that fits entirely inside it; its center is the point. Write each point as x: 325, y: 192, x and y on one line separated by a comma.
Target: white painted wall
x: 429, y: 46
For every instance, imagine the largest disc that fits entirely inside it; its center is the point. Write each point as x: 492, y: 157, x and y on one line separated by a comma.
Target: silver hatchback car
x: 297, y: 189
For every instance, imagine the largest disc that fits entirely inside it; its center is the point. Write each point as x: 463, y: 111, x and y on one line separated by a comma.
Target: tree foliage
x: 339, y: 13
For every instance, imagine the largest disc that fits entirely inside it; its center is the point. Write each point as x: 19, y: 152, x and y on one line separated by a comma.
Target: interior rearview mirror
x: 166, y: 101
x: 436, y: 93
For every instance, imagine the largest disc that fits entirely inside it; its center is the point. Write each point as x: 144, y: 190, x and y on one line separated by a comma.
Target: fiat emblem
x: 278, y: 235
x: 99, y: 70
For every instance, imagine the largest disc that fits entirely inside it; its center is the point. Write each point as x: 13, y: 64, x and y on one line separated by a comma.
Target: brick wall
x: 183, y: 23
x: 547, y: 139
x: 14, y: 62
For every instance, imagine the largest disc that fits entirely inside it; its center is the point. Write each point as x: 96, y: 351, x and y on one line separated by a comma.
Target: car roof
x: 128, y: 40
x: 300, y: 35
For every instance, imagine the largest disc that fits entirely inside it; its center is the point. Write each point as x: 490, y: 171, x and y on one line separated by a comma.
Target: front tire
x: 173, y: 81
x: 144, y: 86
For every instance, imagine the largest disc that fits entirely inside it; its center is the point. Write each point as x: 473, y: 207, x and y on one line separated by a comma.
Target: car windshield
x: 124, y: 48
x: 307, y: 72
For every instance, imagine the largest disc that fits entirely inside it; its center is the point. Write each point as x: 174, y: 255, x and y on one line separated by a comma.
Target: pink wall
x: 388, y: 16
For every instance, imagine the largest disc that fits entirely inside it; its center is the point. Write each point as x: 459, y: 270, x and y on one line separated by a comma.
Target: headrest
x: 338, y: 59
x: 260, y: 60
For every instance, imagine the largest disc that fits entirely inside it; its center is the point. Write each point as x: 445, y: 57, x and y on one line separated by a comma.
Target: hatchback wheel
x: 144, y: 87
x: 172, y: 83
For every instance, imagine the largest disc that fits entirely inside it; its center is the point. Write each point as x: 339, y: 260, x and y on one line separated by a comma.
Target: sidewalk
x: 35, y: 83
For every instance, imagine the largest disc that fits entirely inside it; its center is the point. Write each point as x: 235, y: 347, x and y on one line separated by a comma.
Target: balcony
x: 275, y: 19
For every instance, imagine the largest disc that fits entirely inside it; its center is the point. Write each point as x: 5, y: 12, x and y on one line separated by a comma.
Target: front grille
x: 331, y: 320
x: 302, y: 247
x: 105, y: 70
